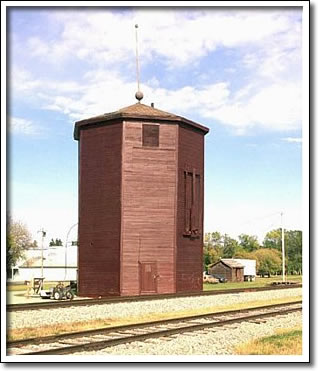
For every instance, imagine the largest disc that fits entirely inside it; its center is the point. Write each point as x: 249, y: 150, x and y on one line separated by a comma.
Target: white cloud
x: 179, y: 36
x: 293, y: 140
x: 274, y: 107
x: 37, y: 47
x: 187, y: 99
x: 261, y: 86
x: 22, y: 80
x: 102, y: 93
x: 269, y: 44
x: 18, y: 125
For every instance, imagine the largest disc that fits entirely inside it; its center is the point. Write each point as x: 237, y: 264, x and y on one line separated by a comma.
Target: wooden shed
x: 141, y: 173
x: 229, y: 269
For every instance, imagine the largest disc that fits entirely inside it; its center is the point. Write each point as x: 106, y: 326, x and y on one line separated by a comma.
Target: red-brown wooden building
x: 141, y: 173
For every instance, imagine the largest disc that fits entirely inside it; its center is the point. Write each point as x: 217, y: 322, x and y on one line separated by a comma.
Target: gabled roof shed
x: 229, y: 269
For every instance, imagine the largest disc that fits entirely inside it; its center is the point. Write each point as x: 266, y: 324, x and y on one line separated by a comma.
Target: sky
x: 236, y: 70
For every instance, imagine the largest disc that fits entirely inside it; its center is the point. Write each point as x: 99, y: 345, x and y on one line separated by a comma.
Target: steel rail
x: 114, y: 299
x: 138, y: 337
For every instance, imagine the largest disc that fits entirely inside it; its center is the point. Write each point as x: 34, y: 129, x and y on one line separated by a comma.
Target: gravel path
x: 135, y: 309
x: 207, y: 342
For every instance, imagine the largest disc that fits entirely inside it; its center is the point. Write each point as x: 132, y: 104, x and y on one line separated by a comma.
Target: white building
x: 249, y: 270
x: 59, y: 264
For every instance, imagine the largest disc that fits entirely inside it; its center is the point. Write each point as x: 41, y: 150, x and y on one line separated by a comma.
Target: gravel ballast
x: 207, y: 342
x: 135, y: 309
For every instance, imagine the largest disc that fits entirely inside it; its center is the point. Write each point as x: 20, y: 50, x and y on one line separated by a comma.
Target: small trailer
x: 249, y: 270
x: 59, y: 292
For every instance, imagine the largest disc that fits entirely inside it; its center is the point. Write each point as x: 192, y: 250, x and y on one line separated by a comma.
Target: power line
x: 260, y: 218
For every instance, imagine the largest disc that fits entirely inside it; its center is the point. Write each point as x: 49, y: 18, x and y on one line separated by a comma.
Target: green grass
x: 259, y: 282
x: 287, y: 342
x: 47, y: 285
x: 279, y: 339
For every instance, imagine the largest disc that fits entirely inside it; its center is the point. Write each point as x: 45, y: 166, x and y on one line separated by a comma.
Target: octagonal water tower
x: 141, y: 182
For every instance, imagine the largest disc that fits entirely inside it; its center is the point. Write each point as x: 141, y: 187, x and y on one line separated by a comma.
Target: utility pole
x: 283, y: 247
x: 43, y: 235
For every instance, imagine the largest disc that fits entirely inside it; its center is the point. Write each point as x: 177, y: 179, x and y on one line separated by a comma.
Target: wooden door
x: 148, y: 278
x: 238, y: 274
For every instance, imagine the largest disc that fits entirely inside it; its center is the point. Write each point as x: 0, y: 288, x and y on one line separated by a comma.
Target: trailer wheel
x: 69, y: 295
x: 57, y: 295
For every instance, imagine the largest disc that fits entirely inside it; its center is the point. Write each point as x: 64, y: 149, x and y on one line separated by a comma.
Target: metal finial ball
x: 139, y: 95
x: 136, y: 25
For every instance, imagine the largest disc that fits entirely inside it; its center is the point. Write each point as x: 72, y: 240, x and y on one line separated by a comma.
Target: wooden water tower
x: 141, y: 174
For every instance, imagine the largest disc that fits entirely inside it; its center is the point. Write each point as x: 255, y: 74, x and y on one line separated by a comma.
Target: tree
x: 214, y: 240
x: 268, y: 256
x: 206, y: 258
x: 56, y: 242
x: 240, y: 253
x: 268, y: 261
x: 219, y: 246
x: 294, y: 252
x: 212, y: 257
x: 230, y: 246
x: 34, y: 244
x: 213, y: 248
x: 273, y: 239
x: 293, y: 247
x: 18, y: 240
x: 248, y: 243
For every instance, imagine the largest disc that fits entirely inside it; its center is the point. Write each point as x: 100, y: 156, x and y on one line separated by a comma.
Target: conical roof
x: 136, y: 111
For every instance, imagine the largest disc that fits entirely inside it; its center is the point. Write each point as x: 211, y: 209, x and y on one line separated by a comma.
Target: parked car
x: 220, y: 278
x: 207, y: 278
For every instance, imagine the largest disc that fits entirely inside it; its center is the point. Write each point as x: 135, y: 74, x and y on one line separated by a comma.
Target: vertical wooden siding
x: 148, y: 207
x: 99, y: 210
x: 223, y: 270
x: 189, y: 264
x: 231, y: 274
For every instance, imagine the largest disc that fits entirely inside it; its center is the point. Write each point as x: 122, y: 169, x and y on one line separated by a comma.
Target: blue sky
x: 237, y: 71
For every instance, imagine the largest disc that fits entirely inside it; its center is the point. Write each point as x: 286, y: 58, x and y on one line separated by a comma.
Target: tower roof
x: 136, y: 111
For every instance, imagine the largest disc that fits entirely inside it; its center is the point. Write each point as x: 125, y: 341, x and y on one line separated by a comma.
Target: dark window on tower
x: 150, y: 135
x: 192, y: 203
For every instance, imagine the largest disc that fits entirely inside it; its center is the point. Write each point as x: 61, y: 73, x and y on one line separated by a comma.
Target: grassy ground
x: 19, y: 287
x: 284, y: 342
x: 259, y: 282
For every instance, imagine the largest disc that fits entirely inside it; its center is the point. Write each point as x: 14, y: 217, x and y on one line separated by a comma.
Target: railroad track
x: 102, y: 338
x: 94, y: 301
